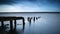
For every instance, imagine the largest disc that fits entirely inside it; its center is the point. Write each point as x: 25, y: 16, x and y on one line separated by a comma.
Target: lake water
x: 48, y: 23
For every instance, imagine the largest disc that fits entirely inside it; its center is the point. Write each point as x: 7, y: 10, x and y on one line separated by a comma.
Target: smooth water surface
x: 48, y: 23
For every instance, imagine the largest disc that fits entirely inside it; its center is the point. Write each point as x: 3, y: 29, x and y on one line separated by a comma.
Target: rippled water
x: 48, y: 23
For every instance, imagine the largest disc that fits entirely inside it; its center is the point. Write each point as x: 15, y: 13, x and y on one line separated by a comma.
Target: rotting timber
x: 2, y: 19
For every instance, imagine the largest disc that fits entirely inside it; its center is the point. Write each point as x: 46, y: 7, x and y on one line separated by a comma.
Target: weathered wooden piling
x: 23, y: 21
x: 11, y: 24
x: 11, y: 21
x: 2, y: 24
x: 29, y: 19
x: 14, y: 24
x: 34, y: 19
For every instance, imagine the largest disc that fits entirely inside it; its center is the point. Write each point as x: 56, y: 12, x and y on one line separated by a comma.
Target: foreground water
x: 48, y: 23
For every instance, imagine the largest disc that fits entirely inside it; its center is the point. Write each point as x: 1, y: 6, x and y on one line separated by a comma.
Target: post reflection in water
x: 12, y: 30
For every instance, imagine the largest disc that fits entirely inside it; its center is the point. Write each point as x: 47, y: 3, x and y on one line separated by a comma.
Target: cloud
x: 29, y: 6
x: 33, y: 1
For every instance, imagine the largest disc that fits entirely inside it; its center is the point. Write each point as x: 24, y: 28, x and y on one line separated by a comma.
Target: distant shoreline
x: 25, y: 12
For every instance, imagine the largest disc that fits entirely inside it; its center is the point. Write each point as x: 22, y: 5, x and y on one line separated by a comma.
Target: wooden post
x: 34, y: 19
x: 11, y: 25
x: 14, y: 24
x: 23, y: 22
x: 23, y: 26
x: 2, y: 24
x: 29, y: 19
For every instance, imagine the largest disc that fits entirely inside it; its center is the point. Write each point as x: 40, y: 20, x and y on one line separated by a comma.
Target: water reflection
x: 48, y: 23
x: 3, y: 30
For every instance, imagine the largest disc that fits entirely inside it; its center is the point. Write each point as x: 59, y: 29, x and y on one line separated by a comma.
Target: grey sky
x: 29, y: 5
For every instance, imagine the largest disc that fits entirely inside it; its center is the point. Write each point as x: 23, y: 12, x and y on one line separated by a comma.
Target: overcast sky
x: 29, y: 5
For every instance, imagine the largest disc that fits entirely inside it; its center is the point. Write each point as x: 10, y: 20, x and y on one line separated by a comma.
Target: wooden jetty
x: 2, y: 19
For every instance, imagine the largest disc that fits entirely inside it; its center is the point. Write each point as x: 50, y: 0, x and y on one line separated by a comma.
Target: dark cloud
x: 53, y: 1
x: 42, y: 1
x: 6, y: 1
